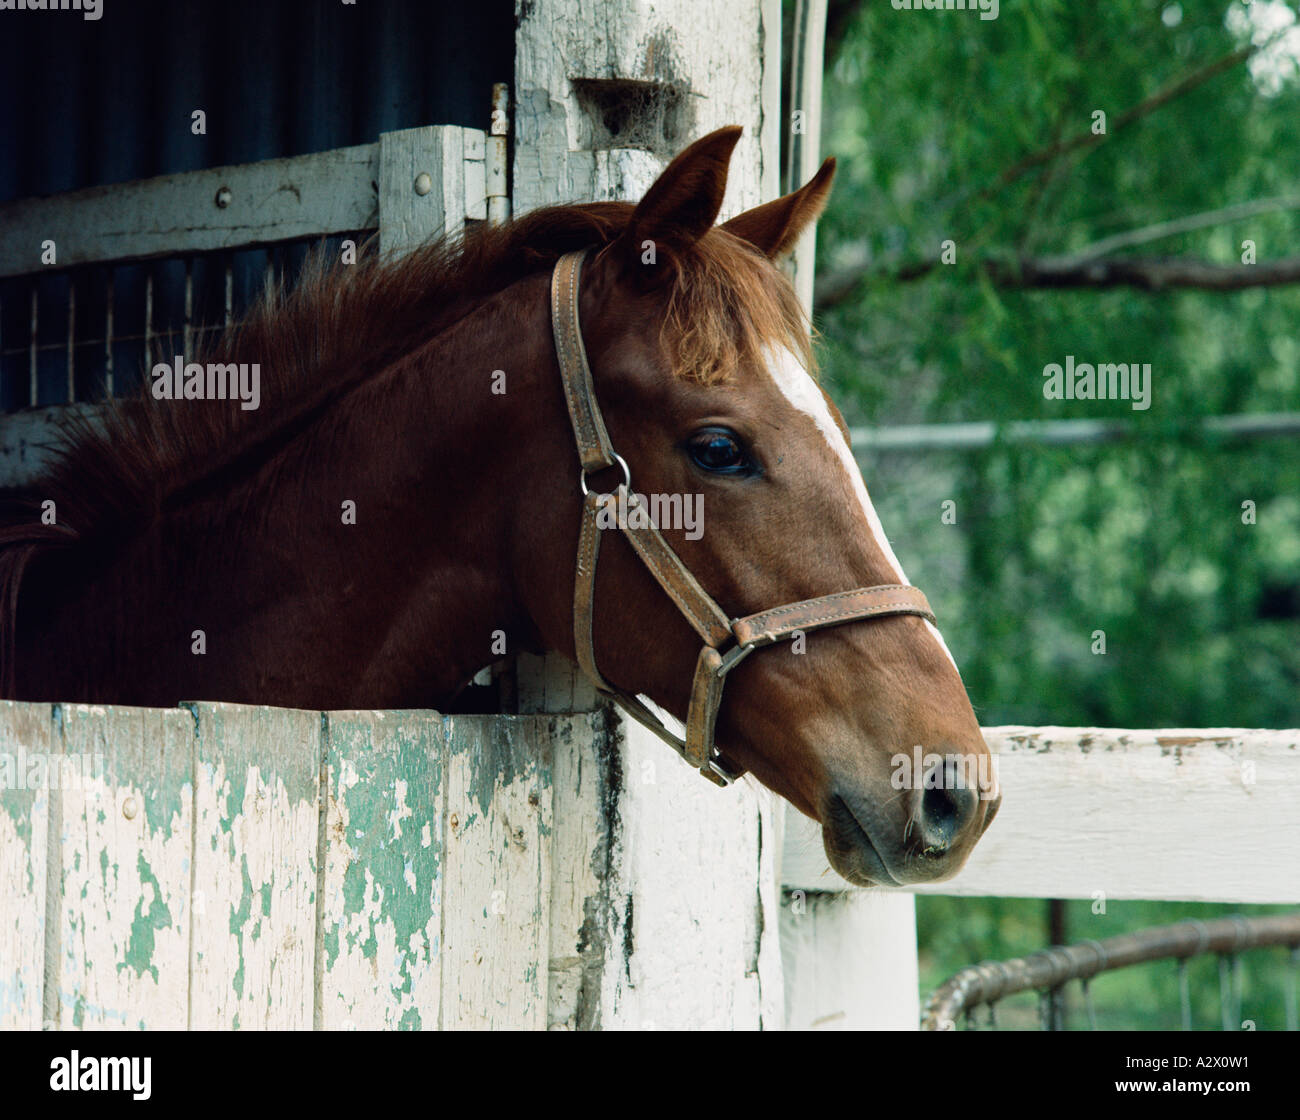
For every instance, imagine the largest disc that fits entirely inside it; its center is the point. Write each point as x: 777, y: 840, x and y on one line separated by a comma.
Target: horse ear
x: 684, y: 201
x: 775, y: 226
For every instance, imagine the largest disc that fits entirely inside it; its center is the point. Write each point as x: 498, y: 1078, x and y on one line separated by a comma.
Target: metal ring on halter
x: 627, y: 474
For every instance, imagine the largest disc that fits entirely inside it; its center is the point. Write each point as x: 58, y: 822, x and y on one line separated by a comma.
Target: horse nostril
x: 943, y: 813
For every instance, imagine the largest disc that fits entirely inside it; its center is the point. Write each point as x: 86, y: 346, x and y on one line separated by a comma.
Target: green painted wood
x: 196, y: 885
x: 256, y: 830
x: 126, y: 809
x: 497, y: 873
x: 25, y: 750
x: 379, y: 958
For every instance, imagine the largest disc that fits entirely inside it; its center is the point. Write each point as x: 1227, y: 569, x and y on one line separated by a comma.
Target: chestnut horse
x: 407, y: 494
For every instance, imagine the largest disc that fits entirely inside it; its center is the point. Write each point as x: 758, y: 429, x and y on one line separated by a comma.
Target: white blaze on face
x: 798, y: 387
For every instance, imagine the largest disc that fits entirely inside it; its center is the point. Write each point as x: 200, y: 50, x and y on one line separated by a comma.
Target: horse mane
x: 339, y: 325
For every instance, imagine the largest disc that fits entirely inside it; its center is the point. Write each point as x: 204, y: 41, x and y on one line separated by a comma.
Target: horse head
x: 698, y: 356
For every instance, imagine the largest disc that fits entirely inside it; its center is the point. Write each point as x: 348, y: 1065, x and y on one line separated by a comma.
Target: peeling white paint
x: 24, y: 824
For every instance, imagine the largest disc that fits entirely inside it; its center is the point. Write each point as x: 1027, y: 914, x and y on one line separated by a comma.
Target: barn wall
x: 109, y: 101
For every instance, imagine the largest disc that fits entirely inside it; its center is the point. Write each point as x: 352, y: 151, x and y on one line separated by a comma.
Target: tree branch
x: 1174, y: 226
x: 1143, y: 108
x: 1151, y: 274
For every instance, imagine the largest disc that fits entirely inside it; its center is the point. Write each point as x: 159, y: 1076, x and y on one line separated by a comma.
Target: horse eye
x: 718, y: 450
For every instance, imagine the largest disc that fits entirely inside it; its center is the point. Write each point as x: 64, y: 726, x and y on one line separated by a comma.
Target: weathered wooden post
x: 664, y: 891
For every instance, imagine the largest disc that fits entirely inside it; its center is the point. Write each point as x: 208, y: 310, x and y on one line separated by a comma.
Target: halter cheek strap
x: 726, y: 641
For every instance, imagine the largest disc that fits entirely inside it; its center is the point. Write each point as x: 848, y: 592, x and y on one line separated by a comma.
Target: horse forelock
x: 727, y: 306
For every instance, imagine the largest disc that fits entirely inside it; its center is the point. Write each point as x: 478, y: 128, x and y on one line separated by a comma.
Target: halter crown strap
x: 741, y: 636
x: 594, y: 448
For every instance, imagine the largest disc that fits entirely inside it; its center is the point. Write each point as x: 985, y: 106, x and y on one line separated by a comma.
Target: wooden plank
x: 497, y: 873
x: 552, y: 683
x: 1183, y: 815
x: 850, y: 961
x: 381, y: 915
x: 475, y: 142
x: 406, y: 217
x: 256, y: 828
x: 632, y: 946
x: 584, y: 784
x: 692, y: 923
x: 174, y: 215
x: 496, y: 157
x: 126, y: 807
x: 28, y: 439
x: 25, y: 749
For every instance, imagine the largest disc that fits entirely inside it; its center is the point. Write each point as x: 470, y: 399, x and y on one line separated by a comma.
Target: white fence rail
x: 1187, y: 815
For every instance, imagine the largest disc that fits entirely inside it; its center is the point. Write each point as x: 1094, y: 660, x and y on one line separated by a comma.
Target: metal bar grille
x: 108, y: 332
x: 33, y: 344
x: 104, y: 351
x: 71, y: 340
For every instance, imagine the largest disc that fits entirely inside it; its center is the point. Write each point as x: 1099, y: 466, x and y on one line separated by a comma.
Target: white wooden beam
x: 430, y: 180
x: 256, y: 850
x: 850, y: 961
x: 379, y: 961
x: 496, y: 874
x: 123, y: 882
x: 195, y: 212
x: 365, y: 187
x: 684, y: 77
x: 1182, y: 815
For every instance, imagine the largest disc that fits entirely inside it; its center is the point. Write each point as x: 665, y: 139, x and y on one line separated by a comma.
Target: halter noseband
x: 719, y: 655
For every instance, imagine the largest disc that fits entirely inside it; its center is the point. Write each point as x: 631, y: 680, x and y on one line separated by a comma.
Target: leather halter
x: 727, y: 641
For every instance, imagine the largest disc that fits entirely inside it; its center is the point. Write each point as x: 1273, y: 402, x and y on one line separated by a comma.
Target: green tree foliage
x: 929, y: 111
x: 934, y: 115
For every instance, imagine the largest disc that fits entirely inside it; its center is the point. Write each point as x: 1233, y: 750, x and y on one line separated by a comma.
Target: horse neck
x: 299, y: 606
